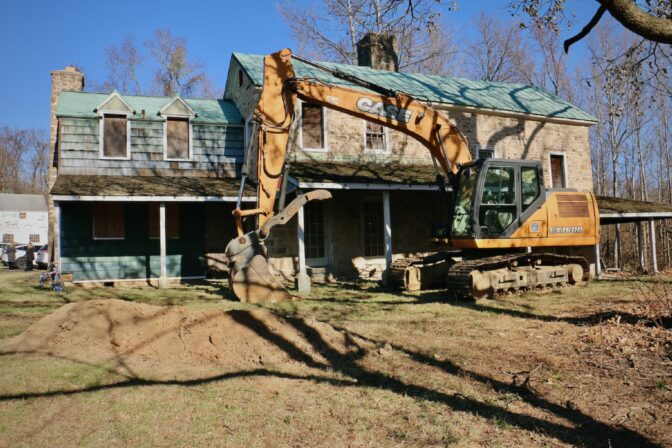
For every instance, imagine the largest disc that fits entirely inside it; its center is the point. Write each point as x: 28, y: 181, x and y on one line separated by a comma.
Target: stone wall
x: 67, y: 79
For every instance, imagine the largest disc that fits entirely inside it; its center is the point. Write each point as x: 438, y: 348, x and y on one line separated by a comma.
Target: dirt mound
x: 146, y: 340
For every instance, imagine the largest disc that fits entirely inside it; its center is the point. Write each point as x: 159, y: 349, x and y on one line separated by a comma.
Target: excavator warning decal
x: 384, y: 110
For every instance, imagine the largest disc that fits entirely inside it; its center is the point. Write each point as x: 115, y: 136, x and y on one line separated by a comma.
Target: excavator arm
x: 275, y: 113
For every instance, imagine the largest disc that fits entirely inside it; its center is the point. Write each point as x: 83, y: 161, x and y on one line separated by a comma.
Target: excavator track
x: 514, y: 273
x: 416, y: 273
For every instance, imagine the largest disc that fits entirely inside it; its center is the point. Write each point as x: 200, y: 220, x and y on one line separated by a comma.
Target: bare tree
x: 552, y: 73
x: 175, y: 73
x: 498, y: 53
x: 122, y: 64
x: 24, y: 158
x: 331, y: 29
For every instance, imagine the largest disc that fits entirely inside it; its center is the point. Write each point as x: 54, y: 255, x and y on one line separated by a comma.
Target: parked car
x: 42, y: 256
x: 20, y: 254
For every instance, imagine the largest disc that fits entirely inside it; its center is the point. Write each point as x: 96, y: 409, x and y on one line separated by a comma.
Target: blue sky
x: 39, y: 36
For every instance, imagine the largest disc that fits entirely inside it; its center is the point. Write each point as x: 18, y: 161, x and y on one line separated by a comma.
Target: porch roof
x: 146, y: 188
x: 357, y: 176
x: 619, y: 210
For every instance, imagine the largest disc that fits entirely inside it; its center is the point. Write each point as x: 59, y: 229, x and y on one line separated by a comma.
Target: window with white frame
x: 375, y: 137
x: 374, y: 236
x: 172, y: 220
x: 114, y: 138
x: 486, y: 153
x: 313, y: 130
x: 178, y: 138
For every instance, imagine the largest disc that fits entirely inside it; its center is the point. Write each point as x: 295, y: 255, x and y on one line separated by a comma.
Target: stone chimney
x: 378, y: 51
x: 67, y: 79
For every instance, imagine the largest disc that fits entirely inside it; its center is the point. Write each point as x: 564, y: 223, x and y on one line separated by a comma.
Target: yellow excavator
x: 504, y: 227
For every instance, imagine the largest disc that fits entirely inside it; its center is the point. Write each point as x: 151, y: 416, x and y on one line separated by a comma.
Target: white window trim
x: 165, y: 139
x: 386, y: 140
x: 494, y: 152
x: 325, y: 142
x: 101, y: 134
x: 565, y: 176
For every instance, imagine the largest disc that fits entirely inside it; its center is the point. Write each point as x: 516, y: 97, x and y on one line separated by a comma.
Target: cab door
x: 498, y: 201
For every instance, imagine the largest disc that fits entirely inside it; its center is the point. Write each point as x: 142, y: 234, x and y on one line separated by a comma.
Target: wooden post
x: 598, y: 266
x: 163, y: 278
x: 388, y: 229
x: 302, y: 278
x: 652, y: 243
x: 640, y: 245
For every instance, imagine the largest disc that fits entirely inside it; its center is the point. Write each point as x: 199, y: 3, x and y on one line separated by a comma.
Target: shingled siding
x: 136, y: 256
x: 217, y: 150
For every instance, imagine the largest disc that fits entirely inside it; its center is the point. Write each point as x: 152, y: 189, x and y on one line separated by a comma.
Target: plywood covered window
x: 375, y: 136
x: 108, y: 220
x: 558, y: 175
x: 312, y: 126
x: 177, y: 139
x: 172, y: 220
x: 374, y: 237
x: 115, y: 137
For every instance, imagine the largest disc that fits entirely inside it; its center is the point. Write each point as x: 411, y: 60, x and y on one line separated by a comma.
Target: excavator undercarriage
x: 489, y: 276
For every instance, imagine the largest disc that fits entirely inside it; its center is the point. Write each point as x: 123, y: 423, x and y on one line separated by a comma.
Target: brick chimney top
x: 378, y: 51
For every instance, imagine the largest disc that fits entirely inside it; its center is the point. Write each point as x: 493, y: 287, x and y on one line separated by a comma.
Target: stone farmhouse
x: 137, y: 177
x: 23, y: 218
x: 385, y: 201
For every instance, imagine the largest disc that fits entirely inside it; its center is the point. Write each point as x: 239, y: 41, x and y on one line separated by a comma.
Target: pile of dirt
x: 145, y: 340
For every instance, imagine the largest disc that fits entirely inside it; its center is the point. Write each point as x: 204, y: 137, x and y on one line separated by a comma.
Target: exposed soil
x: 176, y: 342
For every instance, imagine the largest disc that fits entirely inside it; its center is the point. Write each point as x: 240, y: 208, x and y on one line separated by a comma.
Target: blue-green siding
x: 136, y: 256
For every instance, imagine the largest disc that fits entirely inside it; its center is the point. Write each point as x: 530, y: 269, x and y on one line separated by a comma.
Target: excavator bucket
x: 251, y: 277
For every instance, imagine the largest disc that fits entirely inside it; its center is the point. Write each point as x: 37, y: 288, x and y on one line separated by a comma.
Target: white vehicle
x: 20, y: 255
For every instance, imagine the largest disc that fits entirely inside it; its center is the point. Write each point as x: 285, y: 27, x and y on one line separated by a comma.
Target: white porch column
x: 640, y: 245
x: 652, y: 241
x: 302, y: 277
x: 163, y: 278
x: 57, y: 233
x: 598, y: 265
x: 388, y: 229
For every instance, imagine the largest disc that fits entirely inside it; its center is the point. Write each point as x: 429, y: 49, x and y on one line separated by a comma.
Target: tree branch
x: 586, y: 29
x: 657, y: 29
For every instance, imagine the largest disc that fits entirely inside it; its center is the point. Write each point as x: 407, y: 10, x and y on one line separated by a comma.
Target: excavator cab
x: 492, y: 197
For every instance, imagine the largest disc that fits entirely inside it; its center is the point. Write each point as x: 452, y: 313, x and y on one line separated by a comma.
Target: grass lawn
x: 576, y: 367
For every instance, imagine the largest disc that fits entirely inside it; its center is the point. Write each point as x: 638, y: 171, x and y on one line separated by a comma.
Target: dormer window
x: 178, y: 130
x: 177, y: 138
x: 115, y: 138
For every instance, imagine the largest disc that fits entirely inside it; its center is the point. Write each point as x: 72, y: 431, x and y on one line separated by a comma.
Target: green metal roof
x: 83, y: 104
x: 498, y: 96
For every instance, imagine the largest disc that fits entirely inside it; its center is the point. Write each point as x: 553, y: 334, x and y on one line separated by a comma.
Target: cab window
x: 498, y: 207
x: 530, y: 185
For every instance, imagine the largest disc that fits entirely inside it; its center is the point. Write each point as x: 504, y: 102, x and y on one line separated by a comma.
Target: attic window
x: 178, y: 139
x: 240, y: 78
x: 114, y: 137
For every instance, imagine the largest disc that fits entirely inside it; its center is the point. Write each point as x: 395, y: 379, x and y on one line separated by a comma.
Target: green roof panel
x: 500, y: 96
x: 83, y: 104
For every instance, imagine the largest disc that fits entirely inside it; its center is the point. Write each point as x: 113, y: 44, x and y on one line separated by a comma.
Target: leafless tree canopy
x: 24, y: 160
x: 330, y: 30
x: 167, y: 56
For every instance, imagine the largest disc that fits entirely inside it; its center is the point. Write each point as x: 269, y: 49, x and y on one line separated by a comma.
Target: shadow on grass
x: 583, y: 429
